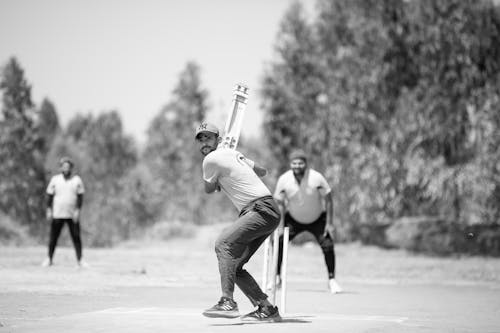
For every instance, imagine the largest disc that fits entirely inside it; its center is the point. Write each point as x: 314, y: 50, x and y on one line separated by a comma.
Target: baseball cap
x: 298, y: 153
x: 206, y: 127
x: 66, y: 159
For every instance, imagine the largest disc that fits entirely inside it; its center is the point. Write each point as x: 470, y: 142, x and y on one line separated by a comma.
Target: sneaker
x: 334, y: 286
x: 225, y: 308
x: 47, y: 262
x: 82, y: 264
x: 263, y: 314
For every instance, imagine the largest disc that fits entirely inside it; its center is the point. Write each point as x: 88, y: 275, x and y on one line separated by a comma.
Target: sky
x: 126, y: 55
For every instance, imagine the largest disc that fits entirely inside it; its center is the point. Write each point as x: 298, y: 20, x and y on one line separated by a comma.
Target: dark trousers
x: 317, y: 228
x: 238, y: 243
x: 74, y: 231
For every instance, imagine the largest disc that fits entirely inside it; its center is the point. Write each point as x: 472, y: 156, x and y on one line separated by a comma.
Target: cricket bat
x: 234, y: 120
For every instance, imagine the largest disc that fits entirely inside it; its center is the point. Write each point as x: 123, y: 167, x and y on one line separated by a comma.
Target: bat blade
x: 234, y: 121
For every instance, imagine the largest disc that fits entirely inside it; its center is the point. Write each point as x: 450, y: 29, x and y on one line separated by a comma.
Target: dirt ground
x: 164, y: 287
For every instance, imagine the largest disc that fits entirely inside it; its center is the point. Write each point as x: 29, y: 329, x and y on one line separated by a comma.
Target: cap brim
x: 200, y: 132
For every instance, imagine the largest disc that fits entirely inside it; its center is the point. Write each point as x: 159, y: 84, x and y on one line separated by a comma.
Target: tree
x: 22, y: 178
x: 402, y: 104
x: 170, y: 149
x: 47, y: 124
x: 451, y: 49
x: 105, y: 157
x: 291, y: 86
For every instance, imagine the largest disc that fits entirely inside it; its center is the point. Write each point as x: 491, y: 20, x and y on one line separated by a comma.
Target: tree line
x: 397, y: 103
x: 127, y: 189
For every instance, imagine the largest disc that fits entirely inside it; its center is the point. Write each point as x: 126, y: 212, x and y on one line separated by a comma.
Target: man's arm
x: 79, y: 204
x: 50, y: 200
x: 281, y: 200
x: 259, y: 170
x: 79, y: 201
x: 329, y: 227
x: 211, y: 170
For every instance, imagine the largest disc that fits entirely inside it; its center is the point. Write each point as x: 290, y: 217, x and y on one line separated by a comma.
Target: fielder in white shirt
x: 305, y: 201
x: 64, y: 202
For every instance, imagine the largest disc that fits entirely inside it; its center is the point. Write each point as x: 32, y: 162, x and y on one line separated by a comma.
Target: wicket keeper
x: 239, y: 178
x: 305, y: 200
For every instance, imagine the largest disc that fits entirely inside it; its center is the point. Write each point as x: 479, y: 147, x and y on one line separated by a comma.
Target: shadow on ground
x: 285, y: 320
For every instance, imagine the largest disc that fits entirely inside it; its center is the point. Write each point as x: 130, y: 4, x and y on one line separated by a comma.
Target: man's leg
x: 244, y: 280
x: 235, y: 246
x: 74, y: 231
x: 328, y: 249
x: 327, y: 246
x: 294, y: 229
x: 317, y: 228
x: 265, y: 217
x: 55, y: 230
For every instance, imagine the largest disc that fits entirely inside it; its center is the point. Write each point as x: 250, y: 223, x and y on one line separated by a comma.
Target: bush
x: 434, y: 235
x: 11, y: 233
x: 484, y: 239
x: 372, y: 234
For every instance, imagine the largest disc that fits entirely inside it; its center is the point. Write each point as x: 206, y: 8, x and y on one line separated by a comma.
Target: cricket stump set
x: 230, y: 139
x: 270, y: 269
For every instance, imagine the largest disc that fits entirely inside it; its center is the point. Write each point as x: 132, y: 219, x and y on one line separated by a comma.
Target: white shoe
x: 334, y: 286
x: 83, y: 264
x: 46, y: 263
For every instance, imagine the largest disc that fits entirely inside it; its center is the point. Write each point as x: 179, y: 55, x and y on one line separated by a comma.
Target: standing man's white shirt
x: 235, y: 175
x: 65, y: 193
x: 305, y: 200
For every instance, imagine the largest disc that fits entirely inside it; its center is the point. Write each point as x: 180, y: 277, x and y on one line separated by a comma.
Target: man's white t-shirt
x: 305, y: 200
x: 65, y: 193
x: 235, y: 175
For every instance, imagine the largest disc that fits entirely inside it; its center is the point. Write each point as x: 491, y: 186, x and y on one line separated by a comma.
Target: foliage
x: 105, y: 158
x: 291, y: 87
x: 13, y: 234
x: 47, y: 125
x: 444, y: 237
x: 22, y: 177
x: 172, y: 155
x: 397, y: 101
x: 452, y: 105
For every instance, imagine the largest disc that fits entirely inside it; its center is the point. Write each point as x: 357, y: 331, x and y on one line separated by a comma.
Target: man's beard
x: 205, y: 150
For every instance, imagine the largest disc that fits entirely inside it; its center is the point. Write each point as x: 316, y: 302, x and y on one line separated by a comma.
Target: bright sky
x: 97, y: 55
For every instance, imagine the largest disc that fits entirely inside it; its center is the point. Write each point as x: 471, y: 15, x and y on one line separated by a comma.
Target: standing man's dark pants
x: 238, y: 243
x: 317, y: 228
x: 74, y: 231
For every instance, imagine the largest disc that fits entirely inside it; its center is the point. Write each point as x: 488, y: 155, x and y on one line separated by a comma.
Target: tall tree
x: 402, y: 118
x: 47, y: 124
x: 170, y: 150
x: 22, y: 177
x: 291, y: 86
x: 104, y: 156
x: 451, y: 48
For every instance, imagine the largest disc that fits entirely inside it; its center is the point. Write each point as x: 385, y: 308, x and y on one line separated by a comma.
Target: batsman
x: 229, y: 171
